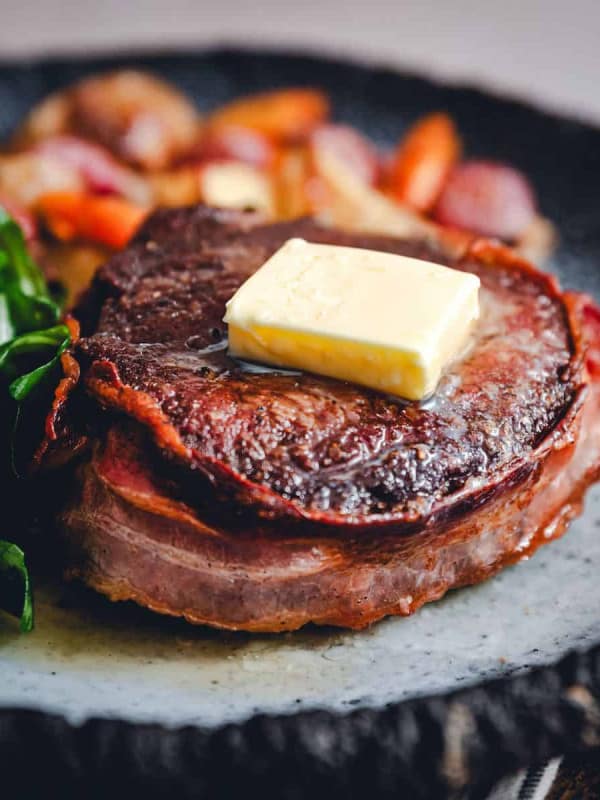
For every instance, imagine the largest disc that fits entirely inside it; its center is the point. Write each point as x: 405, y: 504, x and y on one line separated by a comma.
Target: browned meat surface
x: 257, y: 499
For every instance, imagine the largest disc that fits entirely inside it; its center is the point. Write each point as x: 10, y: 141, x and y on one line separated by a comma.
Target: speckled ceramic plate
x: 410, y: 704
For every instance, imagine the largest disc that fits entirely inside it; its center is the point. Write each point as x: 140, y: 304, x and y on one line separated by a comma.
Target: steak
x: 252, y: 498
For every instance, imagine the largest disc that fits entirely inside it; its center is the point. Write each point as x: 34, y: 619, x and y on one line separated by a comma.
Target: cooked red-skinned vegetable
x: 287, y: 115
x: 423, y: 160
x: 487, y: 198
x: 235, y: 143
x: 345, y: 143
x: 101, y: 172
x: 108, y: 220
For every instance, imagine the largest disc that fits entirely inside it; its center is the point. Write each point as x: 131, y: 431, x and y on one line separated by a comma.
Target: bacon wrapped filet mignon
x: 255, y: 499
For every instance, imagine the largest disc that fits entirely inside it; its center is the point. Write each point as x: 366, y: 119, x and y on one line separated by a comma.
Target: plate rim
x: 428, y: 746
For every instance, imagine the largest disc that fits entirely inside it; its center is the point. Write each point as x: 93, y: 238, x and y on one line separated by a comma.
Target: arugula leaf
x: 12, y: 558
x: 7, y: 330
x: 31, y: 280
x: 39, y: 345
x: 27, y: 304
x: 31, y: 344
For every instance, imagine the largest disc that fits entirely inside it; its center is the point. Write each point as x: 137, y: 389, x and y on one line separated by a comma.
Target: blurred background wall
x: 545, y: 50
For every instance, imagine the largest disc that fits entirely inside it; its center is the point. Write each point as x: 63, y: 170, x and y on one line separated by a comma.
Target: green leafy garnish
x: 26, y: 302
x: 31, y: 343
x: 47, y: 344
x: 12, y: 560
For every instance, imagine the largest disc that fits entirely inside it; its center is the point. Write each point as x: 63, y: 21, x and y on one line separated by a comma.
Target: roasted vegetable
x: 347, y: 145
x: 286, y: 115
x: 235, y: 143
x: 107, y: 220
x: 98, y: 169
x: 140, y: 118
x: 90, y: 162
x: 487, y: 198
x: 423, y: 160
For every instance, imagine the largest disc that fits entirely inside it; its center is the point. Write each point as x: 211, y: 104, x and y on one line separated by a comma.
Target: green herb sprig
x: 32, y: 341
x: 12, y: 558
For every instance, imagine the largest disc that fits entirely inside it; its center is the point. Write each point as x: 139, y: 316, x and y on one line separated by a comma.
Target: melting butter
x: 382, y: 320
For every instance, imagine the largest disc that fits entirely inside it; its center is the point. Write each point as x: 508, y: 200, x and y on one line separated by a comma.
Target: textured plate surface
x: 88, y: 658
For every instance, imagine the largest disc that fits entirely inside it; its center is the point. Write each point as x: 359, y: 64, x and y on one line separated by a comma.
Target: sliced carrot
x: 287, y: 115
x: 108, y: 220
x: 423, y: 160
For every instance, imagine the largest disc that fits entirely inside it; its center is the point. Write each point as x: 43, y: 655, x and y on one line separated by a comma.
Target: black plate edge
x: 140, y: 54
x: 423, y: 747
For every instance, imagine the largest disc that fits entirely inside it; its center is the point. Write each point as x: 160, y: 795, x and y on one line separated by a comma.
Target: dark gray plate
x: 104, y: 698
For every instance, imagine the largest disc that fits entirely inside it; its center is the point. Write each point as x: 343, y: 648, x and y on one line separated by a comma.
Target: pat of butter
x: 381, y: 320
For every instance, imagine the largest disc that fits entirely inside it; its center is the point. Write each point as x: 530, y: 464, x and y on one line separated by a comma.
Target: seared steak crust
x: 259, y: 499
x: 302, y: 444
